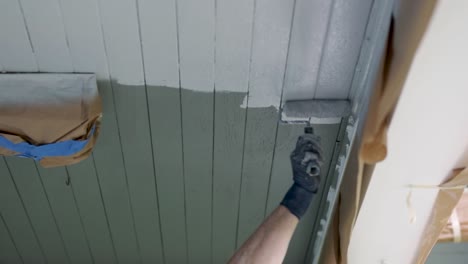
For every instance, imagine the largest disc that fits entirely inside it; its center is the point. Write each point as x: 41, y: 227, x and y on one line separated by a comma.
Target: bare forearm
x: 270, y: 241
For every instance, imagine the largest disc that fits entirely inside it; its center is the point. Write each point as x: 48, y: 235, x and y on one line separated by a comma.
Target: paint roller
x: 310, y: 112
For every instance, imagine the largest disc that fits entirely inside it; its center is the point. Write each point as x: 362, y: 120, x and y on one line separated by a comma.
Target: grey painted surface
x: 89, y: 203
x: 197, y: 134
x: 68, y: 219
x: 112, y: 180
x: 257, y: 161
x: 87, y: 215
x: 448, y: 253
x: 165, y: 119
x: 176, y: 176
x: 17, y: 221
x: 31, y: 190
x: 132, y: 113
x: 8, y: 250
x: 280, y: 182
x: 227, y: 167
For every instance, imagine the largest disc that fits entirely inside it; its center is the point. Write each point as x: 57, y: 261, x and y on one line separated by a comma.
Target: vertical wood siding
x: 191, y: 157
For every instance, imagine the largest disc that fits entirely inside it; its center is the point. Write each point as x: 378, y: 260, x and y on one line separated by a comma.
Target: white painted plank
x: 234, y: 26
x: 45, y: 24
x: 234, y: 21
x: 271, y: 37
x: 345, y: 34
x: 196, y: 20
x: 121, y: 34
x: 158, y: 24
x: 196, y: 44
x: 196, y: 39
x: 307, y: 39
x: 123, y: 45
x: 83, y: 28
x: 16, y: 53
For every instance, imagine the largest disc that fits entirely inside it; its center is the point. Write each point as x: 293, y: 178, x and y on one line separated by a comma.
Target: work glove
x: 306, y: 161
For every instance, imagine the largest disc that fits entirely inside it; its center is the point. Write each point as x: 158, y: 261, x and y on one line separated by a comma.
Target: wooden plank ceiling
x: 191, y: 157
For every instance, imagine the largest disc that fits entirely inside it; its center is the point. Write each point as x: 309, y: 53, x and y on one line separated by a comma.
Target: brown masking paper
x: 48, y: 108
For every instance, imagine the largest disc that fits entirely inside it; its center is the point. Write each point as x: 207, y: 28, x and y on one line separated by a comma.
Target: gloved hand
x: 306, y: 161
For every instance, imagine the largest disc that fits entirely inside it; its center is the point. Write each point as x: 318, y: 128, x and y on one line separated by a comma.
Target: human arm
x: 269, y: 243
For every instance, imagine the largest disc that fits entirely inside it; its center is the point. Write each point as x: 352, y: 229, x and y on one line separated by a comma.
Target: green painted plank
x: 166, y: 134
x: 8, y: 251
x: 31, y: 190
x: 453, y: 253
x: 258, y: 154
x: 227, y: 170
x: 62, y: 202
x: 111, y: 174
x: 324, y: 196
x: 281, y: 180
x: 319, y: 209
x: 304, y: 231
x: 197, y: 129
x: 281, y: 174
x: 90, y: 205
x: 17, y: 219
x: 132, y: 114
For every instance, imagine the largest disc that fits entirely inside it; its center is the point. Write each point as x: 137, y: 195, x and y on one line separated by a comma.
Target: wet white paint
x: 18, y: 90
x: 229, y: 47
x: 260, y: 100
x: 16, y: 53
x: 122, y: 41
x: 158, y: 29
x: 47, y: 33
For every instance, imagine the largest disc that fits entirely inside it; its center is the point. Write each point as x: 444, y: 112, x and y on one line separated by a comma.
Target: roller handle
x: 313, y: 169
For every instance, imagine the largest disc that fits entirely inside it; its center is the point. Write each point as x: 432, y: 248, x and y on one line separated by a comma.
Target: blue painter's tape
x: 64, y: 148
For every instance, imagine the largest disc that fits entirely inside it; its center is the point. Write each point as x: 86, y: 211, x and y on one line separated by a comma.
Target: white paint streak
x: 331, y: 196
x: 46, y: 89
x: 83, y: 27
x: 258, y: 100
x: 159, y: 42
x: 15, y: 50
x: 122, y: 40
x: 320, y: 235
x: 308, y: 36
x: 196, y: 44
x: 312, y: 120
x: 45, y: 24
x: 218, y: 48
x: 271, y: 38
x: 341, y: 51
x: 233, y: 42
